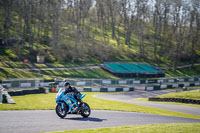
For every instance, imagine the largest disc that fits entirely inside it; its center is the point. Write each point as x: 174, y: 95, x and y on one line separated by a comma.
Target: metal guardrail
x: 93, y: 82
x: 22, y: 83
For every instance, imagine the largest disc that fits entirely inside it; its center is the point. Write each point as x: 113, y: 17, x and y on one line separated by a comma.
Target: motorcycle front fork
x: 62, y: 106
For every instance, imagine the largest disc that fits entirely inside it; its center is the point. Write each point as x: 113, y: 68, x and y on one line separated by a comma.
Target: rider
x: 73, y: 90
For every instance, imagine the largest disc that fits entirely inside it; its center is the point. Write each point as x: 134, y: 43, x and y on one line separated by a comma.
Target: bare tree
x: 194, y: 28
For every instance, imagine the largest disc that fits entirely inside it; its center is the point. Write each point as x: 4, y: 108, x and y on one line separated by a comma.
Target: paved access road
x: 140, y: 93
x: 47, y: 120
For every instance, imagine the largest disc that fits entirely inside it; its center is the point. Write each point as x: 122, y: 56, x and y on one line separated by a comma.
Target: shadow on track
x: 87, y: 119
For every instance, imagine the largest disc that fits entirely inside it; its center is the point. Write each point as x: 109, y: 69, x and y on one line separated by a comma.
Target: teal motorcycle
x: 67, y: 104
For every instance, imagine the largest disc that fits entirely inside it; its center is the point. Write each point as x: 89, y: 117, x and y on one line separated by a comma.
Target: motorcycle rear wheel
x: 61, y: 112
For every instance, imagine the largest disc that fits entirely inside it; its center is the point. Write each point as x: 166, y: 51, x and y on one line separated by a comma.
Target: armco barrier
x: 93, y: 82
x: 131, y: 89
x: 109, y: 89
x: 22, y: 83
x: 106, y: 82
x: 142, y: 81
x: 35, y: 83
x: 122, y: 82
x: 175, y: 85
x: 163, y: 86
x: 197, y: 84
x: 191, y: 80
x: 180, y: 85
x: 103, y: 89
x: 181, y: 80
x: 171, y: 81
x: 157, y: 87
x: 119, y: 89
x: 192, y: 84
x: 151, y: 81
x: 149, y: 88
x: 80, y: 83
x: 136, y: 82
x: 160, y: 81
x: 169, y: 86
x: 87, y: 89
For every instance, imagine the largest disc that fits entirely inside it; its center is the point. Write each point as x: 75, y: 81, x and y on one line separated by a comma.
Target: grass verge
x: 149, y: 128
x: 47, y: 101
x: 194, y: 95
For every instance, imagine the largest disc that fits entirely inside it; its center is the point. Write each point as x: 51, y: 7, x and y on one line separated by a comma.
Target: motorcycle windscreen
x: 60, y: 91
x: 82, y: 96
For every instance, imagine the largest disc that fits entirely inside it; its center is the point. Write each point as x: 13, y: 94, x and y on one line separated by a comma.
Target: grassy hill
x: 92, y: 48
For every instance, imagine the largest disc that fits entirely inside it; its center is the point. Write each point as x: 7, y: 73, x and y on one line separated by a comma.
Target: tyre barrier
x: 169, y: 86
x: 25, y: 92
x: 179, y: 100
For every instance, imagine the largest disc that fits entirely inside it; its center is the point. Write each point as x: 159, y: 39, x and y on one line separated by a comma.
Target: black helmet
x: 66, y: 84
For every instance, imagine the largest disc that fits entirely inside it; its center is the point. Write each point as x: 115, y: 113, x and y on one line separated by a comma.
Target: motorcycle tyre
x: 83, y: 112
x: 57, y: 111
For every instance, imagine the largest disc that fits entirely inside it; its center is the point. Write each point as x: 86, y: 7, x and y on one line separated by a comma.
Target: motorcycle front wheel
x: 85, y: 110
x: 60, y: 112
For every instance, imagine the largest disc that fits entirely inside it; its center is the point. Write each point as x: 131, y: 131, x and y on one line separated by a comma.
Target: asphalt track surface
x: 140, y: 93
x: 47, y: 120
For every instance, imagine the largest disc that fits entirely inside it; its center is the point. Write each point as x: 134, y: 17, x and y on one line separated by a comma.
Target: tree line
x: 75, y: 30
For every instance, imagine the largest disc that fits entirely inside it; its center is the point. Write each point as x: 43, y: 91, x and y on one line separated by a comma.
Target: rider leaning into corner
x: 73, y: 90
x: 67, y: 96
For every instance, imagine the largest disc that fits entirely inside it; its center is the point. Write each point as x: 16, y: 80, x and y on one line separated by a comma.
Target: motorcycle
x: 67, y: 104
